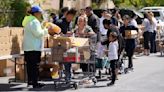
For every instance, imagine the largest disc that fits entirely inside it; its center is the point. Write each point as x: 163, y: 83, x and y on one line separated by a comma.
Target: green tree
x: 12, y: 12
x: 4, y: 12
x: 138, y: 3
x: 19, y: 7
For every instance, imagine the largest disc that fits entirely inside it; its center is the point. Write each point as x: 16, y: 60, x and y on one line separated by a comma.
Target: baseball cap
x: 35, y: 9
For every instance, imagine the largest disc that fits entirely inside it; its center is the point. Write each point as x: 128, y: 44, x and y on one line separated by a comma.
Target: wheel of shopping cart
x: 55, y: 85
x: 75, y: 85
x: 94, y: 80
x: 126, y: 70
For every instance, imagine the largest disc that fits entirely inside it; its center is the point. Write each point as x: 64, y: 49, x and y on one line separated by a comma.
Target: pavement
x: 148, y: 76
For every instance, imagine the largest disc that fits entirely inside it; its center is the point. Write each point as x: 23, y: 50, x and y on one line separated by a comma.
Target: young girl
x: 113, y: 55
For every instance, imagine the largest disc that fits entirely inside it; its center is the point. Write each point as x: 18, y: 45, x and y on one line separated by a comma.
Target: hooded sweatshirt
x: 33, y: 34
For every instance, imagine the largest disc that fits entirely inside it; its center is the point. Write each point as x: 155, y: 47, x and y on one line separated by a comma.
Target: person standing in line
x: 93, y: 21
x: 33, y: 44
x: 65, y: 25
x: 107, y: 25
x: 133, y: 21
x: 148, y: 31
x: 103, y: 31
x: 130, y: 43
x: 81, y: 13
x: 54, y: 17
x: 113, y: 55
x: 116, y: 19
x: 63, y: 12
x: 65, y: 22
x: 153, y: 36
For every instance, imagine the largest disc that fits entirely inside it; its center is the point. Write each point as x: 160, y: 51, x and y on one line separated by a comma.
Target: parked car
x: 158, y: 12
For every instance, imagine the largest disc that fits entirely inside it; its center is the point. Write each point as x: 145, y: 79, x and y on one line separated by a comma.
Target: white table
x: 15, y: 56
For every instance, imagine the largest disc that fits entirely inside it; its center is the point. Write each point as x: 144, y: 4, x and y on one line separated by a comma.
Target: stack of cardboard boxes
x: 62, y: 44
x: 5, y: 44
x: 16, y: 39
x: 11, y: 39
x: 6, y: 68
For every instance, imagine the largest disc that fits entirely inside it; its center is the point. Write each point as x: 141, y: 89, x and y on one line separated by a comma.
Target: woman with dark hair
x: 148, y: 31
x: 130, y: 39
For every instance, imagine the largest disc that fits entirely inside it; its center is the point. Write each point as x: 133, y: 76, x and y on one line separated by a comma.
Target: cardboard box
x: 68, y: 42
x: 4, y: 39
x: 5, y: 31
x: 6, y: 68
x: 16, y: 38
x: 64, y: 42
x: 130, y: 34
x: 16, y: 44
x: 5, y: 45
x: 57, y: 54
x: 48, y: 42
x: 84, y: 52
x: 80, y: 42
x: 20, y: 72
x: 16, y: 31
x: 5, y: 52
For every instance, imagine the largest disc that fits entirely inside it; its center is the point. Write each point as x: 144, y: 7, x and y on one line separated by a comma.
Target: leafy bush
x: 12, y: 12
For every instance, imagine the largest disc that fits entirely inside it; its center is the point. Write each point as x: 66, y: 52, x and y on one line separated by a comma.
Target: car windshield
x: 156, y: 14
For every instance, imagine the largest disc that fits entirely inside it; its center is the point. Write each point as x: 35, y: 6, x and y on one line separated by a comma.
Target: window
x: 156, y: 14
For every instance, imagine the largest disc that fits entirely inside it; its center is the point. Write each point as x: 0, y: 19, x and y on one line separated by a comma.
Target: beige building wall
x: 108, y: 4
x: 51, y: 4
x: 78, y: 4
x: 47, y: 4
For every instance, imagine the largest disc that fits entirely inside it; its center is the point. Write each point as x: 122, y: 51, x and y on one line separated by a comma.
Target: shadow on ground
x: 47, y: 87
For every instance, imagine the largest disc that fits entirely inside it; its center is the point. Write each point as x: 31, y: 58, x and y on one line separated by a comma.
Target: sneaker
x: 131, y: 69
x: 110, y: 84
x: 39, y: 85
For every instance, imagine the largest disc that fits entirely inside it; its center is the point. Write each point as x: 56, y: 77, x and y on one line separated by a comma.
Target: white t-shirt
x: 103, y: 31
x: 134, y: 23
x: 147, y: 25
x: 113, y: 50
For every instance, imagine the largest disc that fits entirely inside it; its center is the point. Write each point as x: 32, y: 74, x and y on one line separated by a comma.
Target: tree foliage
x: 138, y: 3
x: 19, y: 6
x: 4, y: 8
x: 12, y: 12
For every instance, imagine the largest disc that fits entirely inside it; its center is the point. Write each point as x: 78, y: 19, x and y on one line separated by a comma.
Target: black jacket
x: 129, y: 43
x: 64, y: 25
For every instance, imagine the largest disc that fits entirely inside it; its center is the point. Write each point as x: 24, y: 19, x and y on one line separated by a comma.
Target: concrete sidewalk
x: 148, y: 76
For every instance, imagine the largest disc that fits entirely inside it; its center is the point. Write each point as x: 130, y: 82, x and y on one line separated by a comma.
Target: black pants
x: 153, y: 43
x: 147, y: 36
x: 113, y: 69
x: 130, y: 53
x: 32, y: 59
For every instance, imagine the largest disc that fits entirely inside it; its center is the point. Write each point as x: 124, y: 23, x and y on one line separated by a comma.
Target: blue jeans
x: 67, y: 71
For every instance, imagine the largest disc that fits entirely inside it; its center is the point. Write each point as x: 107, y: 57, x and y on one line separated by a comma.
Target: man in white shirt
x: 103, y: 31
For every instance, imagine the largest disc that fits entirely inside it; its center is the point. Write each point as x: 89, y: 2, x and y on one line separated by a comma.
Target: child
x: 113, y: 55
